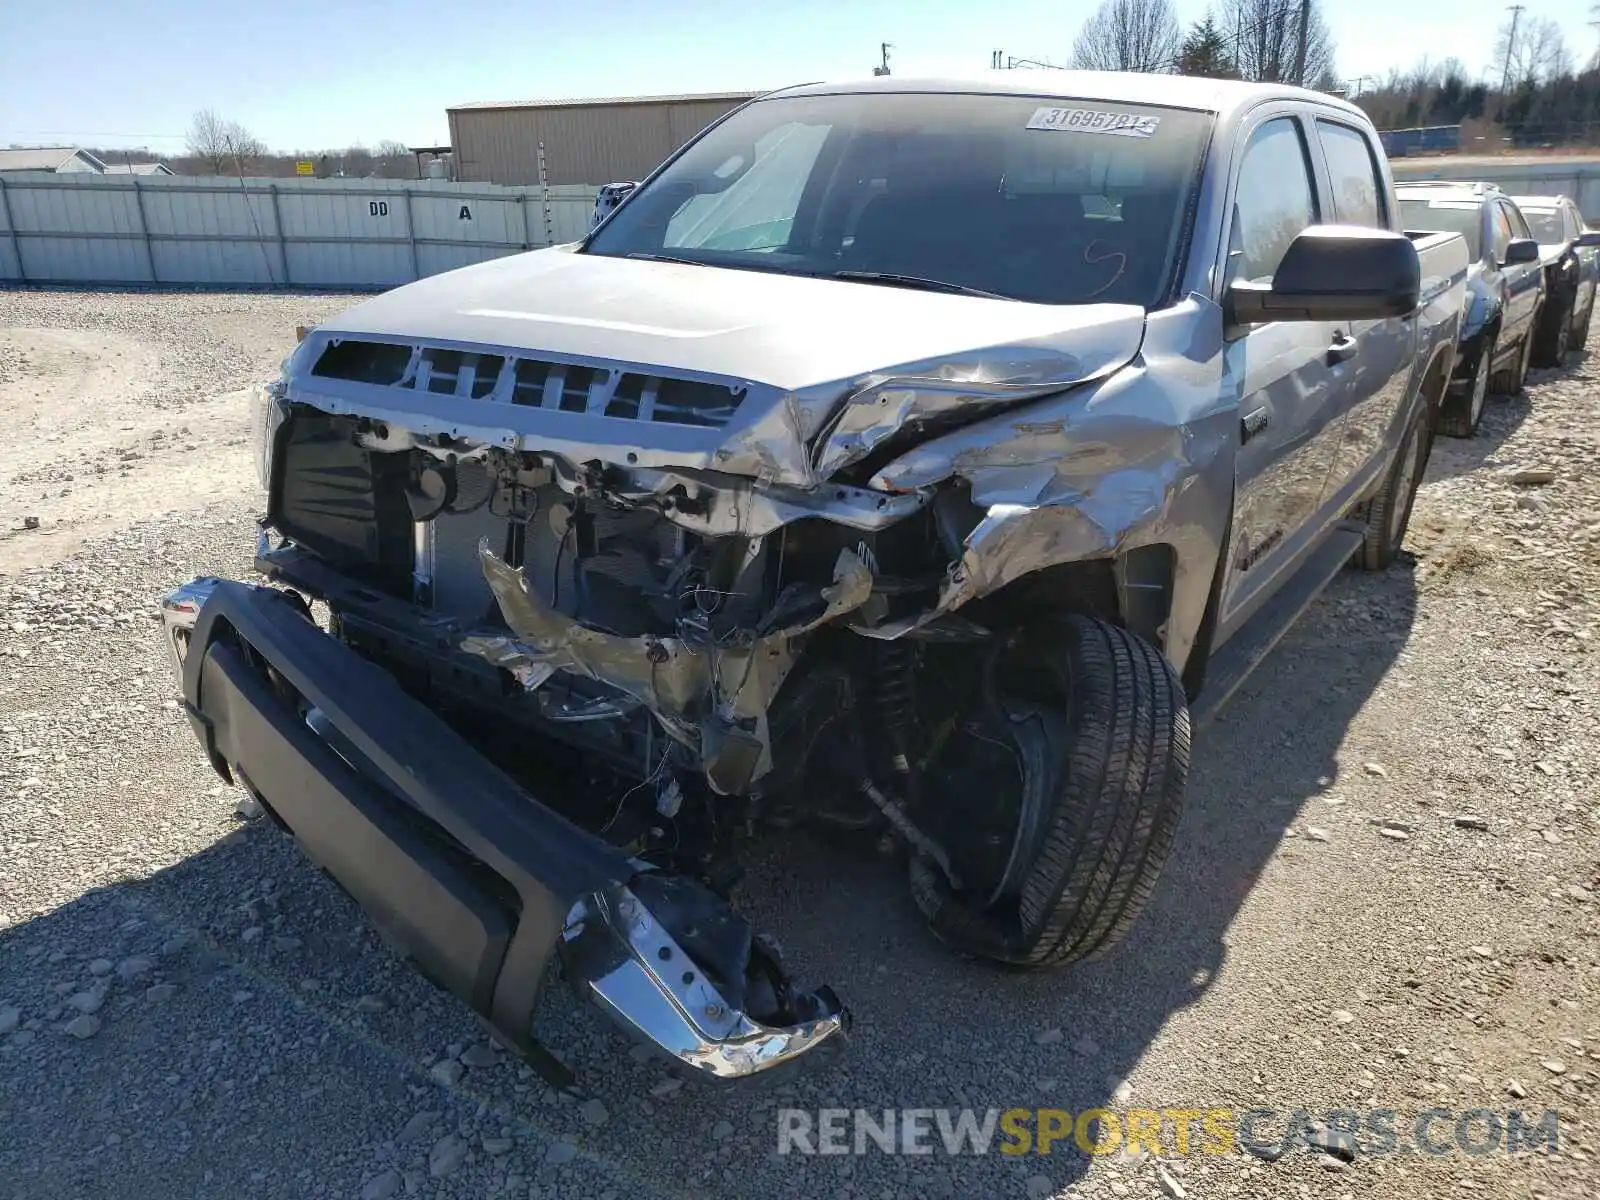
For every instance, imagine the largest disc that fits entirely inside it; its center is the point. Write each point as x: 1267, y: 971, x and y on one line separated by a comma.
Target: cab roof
x: 1448, y: 191
x: 1222, y: 96
x: 1538, y: 201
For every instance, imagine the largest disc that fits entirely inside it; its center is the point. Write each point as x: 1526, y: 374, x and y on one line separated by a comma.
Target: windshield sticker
x: 1091, y: 120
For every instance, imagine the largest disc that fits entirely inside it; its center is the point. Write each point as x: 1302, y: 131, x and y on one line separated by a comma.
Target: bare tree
x: 1264, y: 40
x: 1538, y: 53
x: 222, y: 145
x: 1128, y: 35
x: 244, y: 149
x: 208, y: 139
x: 1548, y: 53
x: 394, y: 159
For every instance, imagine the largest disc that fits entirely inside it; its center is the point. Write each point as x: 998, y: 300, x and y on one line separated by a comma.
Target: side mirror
x: 1588, y: 238
x: 1334, y: 273
x: 1521, y: 250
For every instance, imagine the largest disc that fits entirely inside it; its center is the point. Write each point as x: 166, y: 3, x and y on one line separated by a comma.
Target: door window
x: 1273, y: 202
x: 1357, y: 184
x: 1519, y: 226
x: 1502, y: 233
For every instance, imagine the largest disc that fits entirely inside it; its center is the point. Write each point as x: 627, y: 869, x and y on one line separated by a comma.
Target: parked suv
x: 1505, y: 291
x: 902, y: 456
x: 1571, y: 257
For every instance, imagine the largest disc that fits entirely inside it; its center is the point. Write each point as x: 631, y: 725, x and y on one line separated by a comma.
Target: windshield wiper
x: 671, y: 258
x: 915, y: 281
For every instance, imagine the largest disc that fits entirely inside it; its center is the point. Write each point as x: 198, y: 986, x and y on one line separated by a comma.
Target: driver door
x: 1524, y: 281
x: 1285, y: 373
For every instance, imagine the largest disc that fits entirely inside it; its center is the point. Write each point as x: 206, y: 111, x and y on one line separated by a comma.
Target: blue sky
x: 322, y: 73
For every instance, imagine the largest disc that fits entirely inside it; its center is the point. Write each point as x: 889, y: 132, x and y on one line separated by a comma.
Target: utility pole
x: 1511, y: 44
x: 883, y: 67
x: 1300, y: 43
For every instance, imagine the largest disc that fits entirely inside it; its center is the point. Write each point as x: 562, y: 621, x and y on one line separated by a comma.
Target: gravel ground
x: 1383, y: 892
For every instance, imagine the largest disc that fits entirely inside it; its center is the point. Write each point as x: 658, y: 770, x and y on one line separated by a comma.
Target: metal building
x: 588, y: 142
x: 63, y: 160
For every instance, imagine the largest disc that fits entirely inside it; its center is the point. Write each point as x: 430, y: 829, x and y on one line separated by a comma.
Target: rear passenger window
x: 1273, y: 201
x: 1353, y: 172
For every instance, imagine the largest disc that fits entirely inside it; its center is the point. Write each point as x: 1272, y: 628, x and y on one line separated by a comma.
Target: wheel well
x: 1087, y: 586
x: 1487, y: 336
x: 1436, y: 380
x: 1133, y: 590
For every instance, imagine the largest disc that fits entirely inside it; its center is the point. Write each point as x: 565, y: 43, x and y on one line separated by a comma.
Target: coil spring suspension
x: 895, y: 700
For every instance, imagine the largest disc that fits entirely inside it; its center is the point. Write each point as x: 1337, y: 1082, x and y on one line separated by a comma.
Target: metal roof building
x: 61, y: 159
x: 150, y: 168
x: 585, y: 141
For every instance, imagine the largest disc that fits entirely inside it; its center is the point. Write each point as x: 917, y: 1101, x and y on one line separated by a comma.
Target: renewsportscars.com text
x: 1162, y: 1131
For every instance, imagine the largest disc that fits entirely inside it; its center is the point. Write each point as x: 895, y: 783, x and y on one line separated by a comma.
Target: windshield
x: 1058, y: 202
x: 1545, y: 224
x: 1465, y: 218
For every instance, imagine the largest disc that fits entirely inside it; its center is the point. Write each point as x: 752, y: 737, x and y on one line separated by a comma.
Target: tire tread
x: 1119, y: 799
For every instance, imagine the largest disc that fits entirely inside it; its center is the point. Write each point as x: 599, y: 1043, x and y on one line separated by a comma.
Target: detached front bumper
x: 464, y: 871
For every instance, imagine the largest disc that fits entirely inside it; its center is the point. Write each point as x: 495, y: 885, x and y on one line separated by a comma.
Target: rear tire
x: 1389, y: 512
x: 1107, y: 798
x: 1461, y: 415
x: 1509, y: 380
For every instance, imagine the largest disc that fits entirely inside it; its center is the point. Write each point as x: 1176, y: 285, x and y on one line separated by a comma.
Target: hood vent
x: 532, y: 382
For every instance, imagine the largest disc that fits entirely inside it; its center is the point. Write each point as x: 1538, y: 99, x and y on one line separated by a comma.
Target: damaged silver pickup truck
x: 903, y: 458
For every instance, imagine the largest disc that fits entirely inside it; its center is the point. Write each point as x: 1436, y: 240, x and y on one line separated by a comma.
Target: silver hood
x: 827, y: 369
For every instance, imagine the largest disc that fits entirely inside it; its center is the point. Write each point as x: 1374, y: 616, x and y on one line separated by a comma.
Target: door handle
x: 1342, y: 349
x: 1252, y: 423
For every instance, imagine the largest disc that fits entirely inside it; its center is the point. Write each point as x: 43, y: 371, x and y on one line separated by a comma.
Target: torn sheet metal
x: 911, y: 399
x: 715, y: 504
x: 1141, y: 458
x: 711, y: 698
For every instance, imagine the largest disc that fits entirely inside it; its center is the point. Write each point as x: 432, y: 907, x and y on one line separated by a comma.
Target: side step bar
x: 1245, y: 651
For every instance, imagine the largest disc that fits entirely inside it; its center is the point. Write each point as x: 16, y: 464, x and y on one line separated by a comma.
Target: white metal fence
x: 372, y: 233
x: 321, y: 233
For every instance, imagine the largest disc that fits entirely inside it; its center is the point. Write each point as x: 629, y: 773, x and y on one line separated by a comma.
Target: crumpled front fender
x: 1140, y: 458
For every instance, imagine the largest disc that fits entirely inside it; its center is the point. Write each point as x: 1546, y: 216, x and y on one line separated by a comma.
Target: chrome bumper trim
x: 627, y: 964
x: 180, y: 609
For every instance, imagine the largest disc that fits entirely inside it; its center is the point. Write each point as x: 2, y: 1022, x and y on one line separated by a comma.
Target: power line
x: 93, y: 133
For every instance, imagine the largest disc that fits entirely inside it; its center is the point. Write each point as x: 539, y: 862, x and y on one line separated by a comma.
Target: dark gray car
x: 1571, y: 257
x: 1505, y: 291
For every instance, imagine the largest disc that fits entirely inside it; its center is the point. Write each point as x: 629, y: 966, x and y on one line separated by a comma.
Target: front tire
x: 1389, y: 512
x: 1580, y: 329
x: 1555, y: 340
x: 1461, y: 415
x: 1100, y: 797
